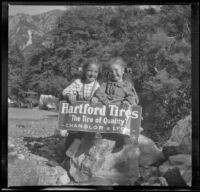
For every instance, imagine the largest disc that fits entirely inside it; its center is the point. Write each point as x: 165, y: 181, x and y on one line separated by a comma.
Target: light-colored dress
x: 81, y: 91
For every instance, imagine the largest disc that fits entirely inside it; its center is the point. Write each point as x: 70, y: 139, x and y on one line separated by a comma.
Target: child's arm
x: 70, y: 91
x: 131, y: 95
x: 101, y: 95
x: 94, y: 100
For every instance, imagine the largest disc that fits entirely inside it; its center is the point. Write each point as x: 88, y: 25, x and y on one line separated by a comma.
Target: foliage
x: 15, y: 72
x: 154, y: 43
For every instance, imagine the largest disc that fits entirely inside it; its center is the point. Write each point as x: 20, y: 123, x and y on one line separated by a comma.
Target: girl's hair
x: 117, y: 60
x: 90, y: 61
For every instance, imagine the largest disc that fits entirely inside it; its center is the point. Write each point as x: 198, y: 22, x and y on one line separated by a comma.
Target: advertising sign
x: 81, y: 116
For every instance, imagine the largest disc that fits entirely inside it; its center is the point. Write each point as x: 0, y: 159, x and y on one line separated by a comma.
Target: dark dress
x: 117, y: 93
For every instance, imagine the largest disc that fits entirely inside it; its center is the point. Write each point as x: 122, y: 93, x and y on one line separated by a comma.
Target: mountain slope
x: 28, y: 31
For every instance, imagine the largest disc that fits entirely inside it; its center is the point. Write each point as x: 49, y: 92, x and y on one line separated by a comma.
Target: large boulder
x: 35, y: 173
x: 180, y: 164
x: 181, y: 138
x: 149, y: 153
x: 94, y: 162
x: 94, y: 159
x: 178, y: 168
x: 33, y: 170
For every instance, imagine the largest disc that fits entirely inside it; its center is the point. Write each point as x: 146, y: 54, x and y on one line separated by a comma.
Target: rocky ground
x: 35, y: 153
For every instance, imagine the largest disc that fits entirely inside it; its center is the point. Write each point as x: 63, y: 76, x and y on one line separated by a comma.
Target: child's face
x: 91, y: 73
x: 116, y: 72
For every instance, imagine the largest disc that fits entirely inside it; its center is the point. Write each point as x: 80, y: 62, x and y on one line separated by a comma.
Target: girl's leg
x: 74, y: 143
x: 79, y: 135
x: 121, y: 140
x: 68, y: 141
x: 70, y: 138
x: 119, y: 143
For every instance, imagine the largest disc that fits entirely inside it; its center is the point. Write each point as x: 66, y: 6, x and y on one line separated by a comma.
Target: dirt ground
x: 33, y: 122
x: 31, y: 136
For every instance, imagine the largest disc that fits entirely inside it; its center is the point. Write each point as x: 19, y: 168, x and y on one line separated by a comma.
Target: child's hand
x: 64, y: 133
x: 125, y: 104
x: 94, y: 100
x: 71, y: 98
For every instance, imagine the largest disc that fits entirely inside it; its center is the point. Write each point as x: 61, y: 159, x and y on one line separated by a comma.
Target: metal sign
x: 81, y: 116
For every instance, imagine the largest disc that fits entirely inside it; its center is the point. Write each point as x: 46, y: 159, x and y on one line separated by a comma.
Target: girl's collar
x: 83, y: 81
x: 118, y: 83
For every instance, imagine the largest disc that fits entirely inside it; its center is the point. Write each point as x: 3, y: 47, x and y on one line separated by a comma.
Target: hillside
x: 30, y: 32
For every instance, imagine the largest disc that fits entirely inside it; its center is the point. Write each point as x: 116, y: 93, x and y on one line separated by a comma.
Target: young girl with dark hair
x: 81, y: 89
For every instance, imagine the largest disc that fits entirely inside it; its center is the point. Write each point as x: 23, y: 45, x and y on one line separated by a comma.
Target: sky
x: 32, y: 10
x: 37, y: 9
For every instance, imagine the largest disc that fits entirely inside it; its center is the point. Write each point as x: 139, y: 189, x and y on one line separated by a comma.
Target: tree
x: 15, y: 71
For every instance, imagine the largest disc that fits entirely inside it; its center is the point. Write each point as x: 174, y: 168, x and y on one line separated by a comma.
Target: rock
x: 30, y: 178
x: 149, y: 152
x: 12, y: 158
x: 141, y: 129
x: 178, y: 152
x: 150, y: 176
x: 99, y: 181
x: 173, y: 177
x: 63, y: 180
x: 152, y: 180
x: 20, y: 156
x: 57, y: 132
x: 94, y: 158
x: 145, y: 184
x: 163, y: 181
x: 38, y: 158
x: 164, y: 167
x: 147, y: 172
x: 183, y: 163
x: 52, y: 163
x: 181, y: 159
x: 11, y: 145
x: 12, y: 153
x: 181, y: 137
x: 187, y: 175
x: 38, y: 144
x: 49, y: 175
x: 52, y: 171
x: 170, y: 150
x: 22, y: 173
